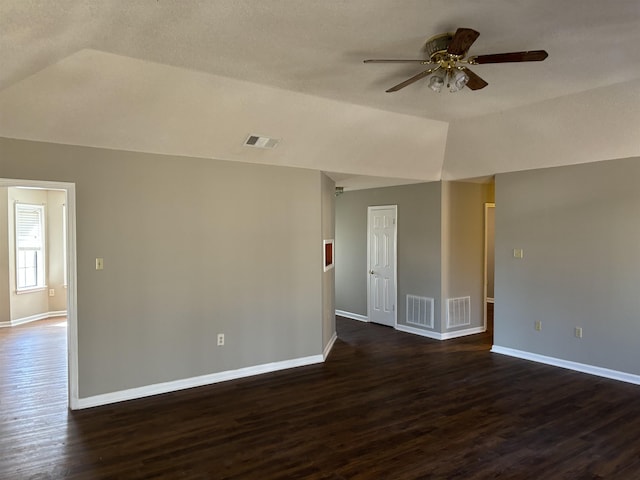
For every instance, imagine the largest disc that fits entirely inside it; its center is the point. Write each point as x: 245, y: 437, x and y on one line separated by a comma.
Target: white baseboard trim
x: 578, y: 367
x: 166, y: 387
x: 327, y: 349
x: 33, y: 318
x: 418, y: 331
x: 438, y: 335
x: 463, y: 333
x: 352, y: 316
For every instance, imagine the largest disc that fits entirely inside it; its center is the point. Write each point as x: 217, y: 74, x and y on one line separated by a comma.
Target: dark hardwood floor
x: 385, y: 405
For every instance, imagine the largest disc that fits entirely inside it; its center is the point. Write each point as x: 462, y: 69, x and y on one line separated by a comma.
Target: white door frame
x: 487, y: 206
x: 72, y: 293
x: 395, y: 261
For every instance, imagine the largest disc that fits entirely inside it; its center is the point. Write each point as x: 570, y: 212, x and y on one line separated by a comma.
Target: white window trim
x: 22, y: 291
x: 43, y: 285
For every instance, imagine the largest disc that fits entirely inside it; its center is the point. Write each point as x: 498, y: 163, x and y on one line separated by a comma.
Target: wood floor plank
x: 385, y: 405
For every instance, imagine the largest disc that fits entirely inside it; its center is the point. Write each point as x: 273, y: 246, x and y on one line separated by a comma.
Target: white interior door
x: 382, y: 265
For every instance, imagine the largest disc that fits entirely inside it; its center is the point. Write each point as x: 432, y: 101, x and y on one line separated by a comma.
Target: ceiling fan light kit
x: 436, y: 81
x: 449, y: 63
x: 455, y: 79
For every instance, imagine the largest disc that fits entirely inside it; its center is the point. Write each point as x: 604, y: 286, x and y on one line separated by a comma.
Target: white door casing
x: 381, y: 264
x: 489, y: 227
x: 72, y: 293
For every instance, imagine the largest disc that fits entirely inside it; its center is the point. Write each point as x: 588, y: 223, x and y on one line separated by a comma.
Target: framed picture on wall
x: 328, y: 254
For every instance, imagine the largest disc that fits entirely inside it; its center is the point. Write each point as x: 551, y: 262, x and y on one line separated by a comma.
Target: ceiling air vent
x: 257, y: 141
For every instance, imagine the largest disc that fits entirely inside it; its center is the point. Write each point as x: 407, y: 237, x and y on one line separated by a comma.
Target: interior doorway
x: 381, y: 264
x: 489, y: 262
x: 68, y: 264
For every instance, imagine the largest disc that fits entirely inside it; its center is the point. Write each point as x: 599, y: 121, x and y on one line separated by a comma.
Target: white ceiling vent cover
x: 258, y: 141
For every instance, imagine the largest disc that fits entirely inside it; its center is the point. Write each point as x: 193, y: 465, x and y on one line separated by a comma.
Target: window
x: 29, y: 246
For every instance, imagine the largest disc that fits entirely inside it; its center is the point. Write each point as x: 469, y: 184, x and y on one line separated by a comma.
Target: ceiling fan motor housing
x: 437, y: 46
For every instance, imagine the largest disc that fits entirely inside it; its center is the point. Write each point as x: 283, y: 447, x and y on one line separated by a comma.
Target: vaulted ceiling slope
x: 195, y: 78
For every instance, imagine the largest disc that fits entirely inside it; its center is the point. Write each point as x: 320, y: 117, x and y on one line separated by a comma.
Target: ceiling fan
x: 448, y: 62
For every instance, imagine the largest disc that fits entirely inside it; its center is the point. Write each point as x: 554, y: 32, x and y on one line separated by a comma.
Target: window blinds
x: 29, y: 227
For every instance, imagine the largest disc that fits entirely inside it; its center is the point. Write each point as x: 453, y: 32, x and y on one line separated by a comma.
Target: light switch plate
x: 99, y: 263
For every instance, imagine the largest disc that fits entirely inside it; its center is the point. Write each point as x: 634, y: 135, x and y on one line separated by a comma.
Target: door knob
x: 370, y: 272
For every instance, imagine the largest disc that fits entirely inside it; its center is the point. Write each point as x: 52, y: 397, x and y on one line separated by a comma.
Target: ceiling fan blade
x: 474, y: 82
x: 377, y: 60
x: 462, y: 40
x: 532, y: 56
x: 411, y: 80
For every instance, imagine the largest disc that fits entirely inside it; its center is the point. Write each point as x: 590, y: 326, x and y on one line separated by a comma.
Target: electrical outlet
x: 578, y: 332
x: 518, y: 253
x: 220, y: 339
x: 538, y: 325
x: 52, y: 292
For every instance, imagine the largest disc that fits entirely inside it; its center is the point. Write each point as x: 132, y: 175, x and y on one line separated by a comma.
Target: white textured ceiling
x: 310, y: 48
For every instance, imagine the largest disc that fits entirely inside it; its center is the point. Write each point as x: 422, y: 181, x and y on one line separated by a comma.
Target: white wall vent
x: 258, y: 141
x: 420, y: 311
x: 458, y: 312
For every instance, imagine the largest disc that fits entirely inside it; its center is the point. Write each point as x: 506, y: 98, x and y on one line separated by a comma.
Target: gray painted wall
x: 191, y: 247
x: 579, y: 227
x: 55, y: 249
x: 463, y: 235
x: 418, y: 245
